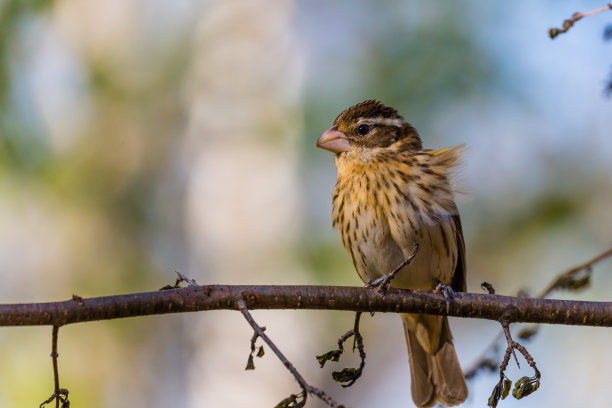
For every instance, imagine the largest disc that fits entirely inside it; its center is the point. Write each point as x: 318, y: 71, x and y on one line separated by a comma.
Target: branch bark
x: 217, y: 297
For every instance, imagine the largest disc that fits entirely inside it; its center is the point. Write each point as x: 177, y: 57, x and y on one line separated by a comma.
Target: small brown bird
x: 390, y: 195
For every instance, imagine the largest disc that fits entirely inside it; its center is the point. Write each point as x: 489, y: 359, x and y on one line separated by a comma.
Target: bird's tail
x: 436, y: 374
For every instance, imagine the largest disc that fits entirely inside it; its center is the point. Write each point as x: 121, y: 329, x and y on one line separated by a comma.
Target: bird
x: 391, y: 194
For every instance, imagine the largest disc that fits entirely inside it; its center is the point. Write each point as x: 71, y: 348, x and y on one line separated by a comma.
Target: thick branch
x: 216, y: 297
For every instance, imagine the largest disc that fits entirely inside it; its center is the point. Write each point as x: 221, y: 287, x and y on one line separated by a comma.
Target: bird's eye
x: 363, y: 129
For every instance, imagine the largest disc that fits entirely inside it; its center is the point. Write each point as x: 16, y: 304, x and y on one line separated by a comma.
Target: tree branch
x: 573, y: 279
x: 306, y: 388
x: 217, y: 297
x: 567, y: 24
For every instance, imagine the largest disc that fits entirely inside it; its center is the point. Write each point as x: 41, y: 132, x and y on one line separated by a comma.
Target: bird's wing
x: 459, y: 283
x: 420, y: 207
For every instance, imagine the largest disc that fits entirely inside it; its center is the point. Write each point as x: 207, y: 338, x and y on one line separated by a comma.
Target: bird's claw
x: 448, y: 292
x: 381, y: 284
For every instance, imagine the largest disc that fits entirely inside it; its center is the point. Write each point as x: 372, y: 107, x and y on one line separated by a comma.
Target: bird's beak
x: 333, y: 140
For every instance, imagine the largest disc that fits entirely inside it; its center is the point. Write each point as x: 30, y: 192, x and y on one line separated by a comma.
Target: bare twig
x: 357, y: 342
x: 525, y: 385
x: 183, y: 278
x: 574, y: 278
x: 180, y: 278
x: 567, y: 24
x: 306, y: 388
x: 383, y: 283
x: 347, y: 376
x: 488, y: 287
x: 528, y: 357
x: 54, y: 356
x: 357, y: 332
x: 502, y: 388
x: 506, y: 328
x: 59, y: 394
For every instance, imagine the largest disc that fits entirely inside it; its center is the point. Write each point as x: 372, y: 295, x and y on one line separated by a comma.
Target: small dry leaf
x: 495, y: 395
x: 289, y: 402
x: 347, y: 375
x: 506, y: 390
x: 525, y: 386
x: 333, y: 355
x: 250, y: 364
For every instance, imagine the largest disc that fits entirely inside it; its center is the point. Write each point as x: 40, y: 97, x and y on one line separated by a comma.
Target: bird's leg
x: 383, y: 283
x: 448, y: 292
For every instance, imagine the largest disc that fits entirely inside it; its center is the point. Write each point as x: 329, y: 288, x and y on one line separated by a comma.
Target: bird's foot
x: 383, y: 283
x: 448, y: 292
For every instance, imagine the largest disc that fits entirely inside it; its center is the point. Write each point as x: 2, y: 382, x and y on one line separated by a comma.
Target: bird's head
x: 369, y: 124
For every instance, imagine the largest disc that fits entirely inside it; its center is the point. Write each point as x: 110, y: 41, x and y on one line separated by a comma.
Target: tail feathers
x: 422, y: 387
x: 448, y: 376
x: 435, y: 377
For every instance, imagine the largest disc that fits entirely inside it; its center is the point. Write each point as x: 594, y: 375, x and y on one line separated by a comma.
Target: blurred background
x: 141, y: 138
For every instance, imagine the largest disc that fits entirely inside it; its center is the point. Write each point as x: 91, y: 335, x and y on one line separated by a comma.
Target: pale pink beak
x: 333, y: 140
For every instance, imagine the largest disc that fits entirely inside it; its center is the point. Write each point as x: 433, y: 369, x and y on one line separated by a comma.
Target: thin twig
x: 54, y: 356
x: 488, y: 287
x: 183, y: 278
x: 524, y: 386
x: 307, y: 388
x: 59, y: 394
x: 567, y: 24
x: 506, y: 328
x: 356, y: 330
x: 528, y: 357
x: 347, y: 376
x: 565, y: 280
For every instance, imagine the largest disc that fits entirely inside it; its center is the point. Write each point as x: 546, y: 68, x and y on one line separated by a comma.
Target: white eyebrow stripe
x: 382, y: 121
